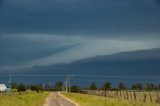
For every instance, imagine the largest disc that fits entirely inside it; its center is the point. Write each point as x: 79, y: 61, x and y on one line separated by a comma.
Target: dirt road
x: 55, y: 99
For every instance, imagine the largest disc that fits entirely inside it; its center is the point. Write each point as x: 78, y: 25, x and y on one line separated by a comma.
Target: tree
x: 107, y: 86
x: 48, y: 87
x: 137, y: 86
x: 37, y: 88
x: 58, y: 86
x: 14, y: 85
x: 93, y: 86
x: 159, y: 87
x: 21, y: 87
x: 75, y: 89
x: 122, y: 86
x: 150, y: 86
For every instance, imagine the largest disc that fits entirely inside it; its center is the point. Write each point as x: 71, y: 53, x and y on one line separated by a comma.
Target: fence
x: 142, y: 97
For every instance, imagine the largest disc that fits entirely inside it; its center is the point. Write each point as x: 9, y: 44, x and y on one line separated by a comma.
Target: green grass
x: 90, y: 100
x: 22, y: 99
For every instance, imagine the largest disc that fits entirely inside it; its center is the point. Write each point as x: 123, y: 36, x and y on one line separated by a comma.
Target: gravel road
x: 55, y: 99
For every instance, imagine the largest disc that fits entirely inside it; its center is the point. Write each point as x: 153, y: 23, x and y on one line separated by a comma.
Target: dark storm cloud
x: 16, y: 50
x: 1, y: 3
x: 86, y: 17
x: 158, y: 3
x: 44, y: 32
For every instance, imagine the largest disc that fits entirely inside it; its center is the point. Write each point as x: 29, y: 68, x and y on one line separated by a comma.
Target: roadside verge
x: 66, y: 98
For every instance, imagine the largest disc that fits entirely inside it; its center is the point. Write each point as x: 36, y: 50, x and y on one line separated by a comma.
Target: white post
x: 69, y: 83
x: 10, y: 82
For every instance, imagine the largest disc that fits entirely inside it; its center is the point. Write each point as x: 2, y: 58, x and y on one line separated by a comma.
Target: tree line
x: 37, y: 87
x: 122, y: 86
x: 106, y: 86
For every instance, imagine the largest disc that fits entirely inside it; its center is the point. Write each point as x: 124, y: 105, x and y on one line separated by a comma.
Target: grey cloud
x: 85, y: 17
x: 28, y: 50
x: 17, y: 49
x: 1, y: 3
x: 158, y: 3
x: 91, y: 48
x: 13, y: 58
x: 42, y: 32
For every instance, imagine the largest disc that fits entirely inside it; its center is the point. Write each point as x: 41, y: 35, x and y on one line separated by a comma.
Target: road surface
x: 55, y: 99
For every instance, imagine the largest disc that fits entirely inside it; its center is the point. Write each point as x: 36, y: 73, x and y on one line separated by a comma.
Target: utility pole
x: 63, y: 87
x: 10, y: 82
x: 67, y: 84
x: 64, y: 84
x: 70, y: 82
x: 44, y: 87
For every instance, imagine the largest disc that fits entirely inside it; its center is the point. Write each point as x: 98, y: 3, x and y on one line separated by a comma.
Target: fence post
x: 121, y: 95
x: 117, y: 95
x: 130, y: 95
x: 157, y: 98
x: 135, y: 97
x: 144, y: 99
x: 151, y: 100
x: 127, y: 96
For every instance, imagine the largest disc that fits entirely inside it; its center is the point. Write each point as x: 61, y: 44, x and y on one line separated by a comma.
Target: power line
x: 115, y: 81
x: 118, y: 76
x: 34, y: 75
x: 61, y: 75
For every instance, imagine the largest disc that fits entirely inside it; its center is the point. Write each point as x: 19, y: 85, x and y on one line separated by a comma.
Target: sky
x: 45, y: 32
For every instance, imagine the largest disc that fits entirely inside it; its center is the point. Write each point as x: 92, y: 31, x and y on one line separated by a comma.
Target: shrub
x: 21, y: 87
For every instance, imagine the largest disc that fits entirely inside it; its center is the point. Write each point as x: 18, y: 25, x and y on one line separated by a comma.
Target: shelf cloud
x: 43, y: 32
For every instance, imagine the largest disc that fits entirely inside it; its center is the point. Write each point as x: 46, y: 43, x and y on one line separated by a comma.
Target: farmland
x: 92, y: 100
x: 28, y: 98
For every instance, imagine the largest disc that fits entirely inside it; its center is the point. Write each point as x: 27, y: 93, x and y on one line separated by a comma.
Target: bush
x: 137, y: 86
x: 21, y: 87
x: 122, y: 86
x: 107, y: 86
x: 150, y: 86
x: 36, y: 88
x: 58, y: 86
x: 75, y: 89
x: 93, y: 86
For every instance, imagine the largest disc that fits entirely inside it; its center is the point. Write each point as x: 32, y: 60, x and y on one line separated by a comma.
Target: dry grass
x: 22, y: 99
x: 90, y: 100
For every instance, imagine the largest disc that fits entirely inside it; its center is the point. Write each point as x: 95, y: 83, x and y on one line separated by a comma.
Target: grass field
x: 22, y: 99
x: 90, y: 100
x: 138, y: 96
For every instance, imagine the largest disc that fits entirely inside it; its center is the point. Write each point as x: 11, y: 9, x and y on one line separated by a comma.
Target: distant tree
x: 107, y: 86
x: 36, y: 88
x: 159, y: 87
x: 49, y: 88
x: 121, y: 86
x: 137, y: 86
x: 150, y: 86
x: 115, y: 89
x: 93, y: 86
x: 58, y: 86
x: 14, y: 85
x: 21, y: 87
x: 75, y: 89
